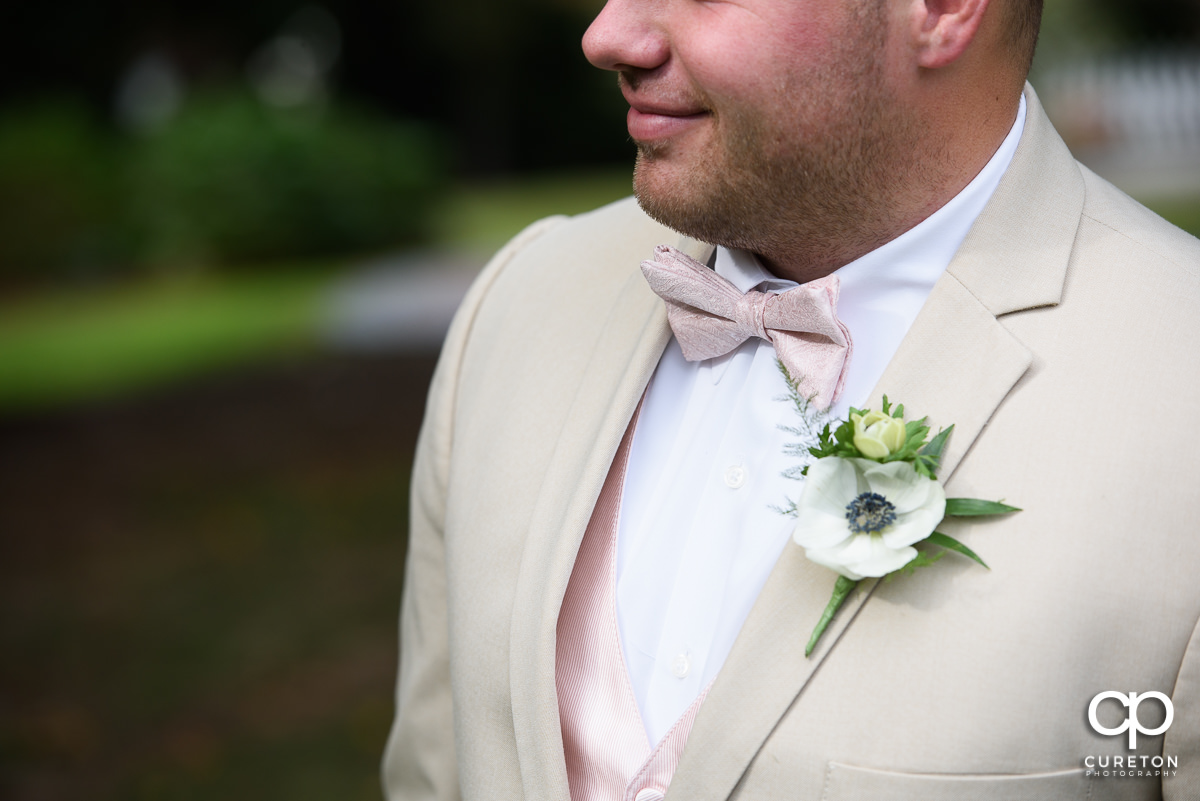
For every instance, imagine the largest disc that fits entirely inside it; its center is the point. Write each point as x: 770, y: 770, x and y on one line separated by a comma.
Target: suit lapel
x: 956, y: 365
x: 622, y: 359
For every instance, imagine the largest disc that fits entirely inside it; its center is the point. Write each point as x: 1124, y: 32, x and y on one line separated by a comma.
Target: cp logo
x: 1131, y: 723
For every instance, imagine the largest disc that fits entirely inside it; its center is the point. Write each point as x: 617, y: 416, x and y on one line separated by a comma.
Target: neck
x: 929, y: 172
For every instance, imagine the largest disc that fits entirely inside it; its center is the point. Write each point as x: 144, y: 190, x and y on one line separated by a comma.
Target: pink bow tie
x: 710, y: 317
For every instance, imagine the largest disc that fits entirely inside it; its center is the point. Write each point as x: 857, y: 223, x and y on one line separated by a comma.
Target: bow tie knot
x: 711, y: 317
x: 751, y: 313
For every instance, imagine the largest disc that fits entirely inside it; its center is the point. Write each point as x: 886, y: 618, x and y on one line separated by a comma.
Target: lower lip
x: 645, y: 127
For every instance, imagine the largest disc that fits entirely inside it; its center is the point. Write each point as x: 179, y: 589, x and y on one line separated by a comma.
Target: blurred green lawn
x: 1184, y: 212
x: 71, y: 345
x: 63, y: 346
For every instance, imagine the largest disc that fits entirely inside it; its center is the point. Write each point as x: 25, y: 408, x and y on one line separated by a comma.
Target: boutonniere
x: 871, y: 496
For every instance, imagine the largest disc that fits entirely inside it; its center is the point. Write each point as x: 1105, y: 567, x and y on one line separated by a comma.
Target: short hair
x: 1024, y: 22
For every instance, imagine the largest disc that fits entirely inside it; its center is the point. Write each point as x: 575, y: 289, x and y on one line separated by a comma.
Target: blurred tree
x: 231, y: 179
x: 507, y: 80
x: 58, y: 198
x: 1075, y: 28
x: 1155, y: 21
x: 523, y: 94
x: 227, y: 179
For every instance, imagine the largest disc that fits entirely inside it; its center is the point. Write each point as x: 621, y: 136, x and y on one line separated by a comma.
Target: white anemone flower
x: 861, y: 518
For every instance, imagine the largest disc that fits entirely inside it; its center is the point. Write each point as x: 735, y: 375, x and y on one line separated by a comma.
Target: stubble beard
x: 807, y: 201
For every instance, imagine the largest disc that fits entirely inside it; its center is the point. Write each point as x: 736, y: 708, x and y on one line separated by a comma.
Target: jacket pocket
x: 851, y: 783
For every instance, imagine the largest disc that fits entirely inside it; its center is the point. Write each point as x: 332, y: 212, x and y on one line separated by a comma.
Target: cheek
x: 747, y: 56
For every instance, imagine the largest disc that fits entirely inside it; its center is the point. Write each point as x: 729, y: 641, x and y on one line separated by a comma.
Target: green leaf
x: 839, y: 443
x: 974, y: 507
x: 949, y: 543
x: 887, y: 406
x: 899, y: 411
x: 929, y: 458
x: 937, y: 444
x: 844, y: 447
x: 841, y: 590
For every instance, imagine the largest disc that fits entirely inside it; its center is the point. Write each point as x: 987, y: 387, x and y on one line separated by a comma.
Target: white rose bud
x: 878, y: 435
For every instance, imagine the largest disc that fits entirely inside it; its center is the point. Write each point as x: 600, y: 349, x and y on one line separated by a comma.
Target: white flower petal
x: 833, y: 558
x: 863, y: 556
x: 816, y: 529
x: 830, y: 485
x: 857, y: 549
x: 900, y: 483
x: 882, y: 559
x: 916, y: 525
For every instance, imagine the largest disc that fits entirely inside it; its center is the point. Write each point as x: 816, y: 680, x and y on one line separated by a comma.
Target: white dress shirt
x: 699, y: 528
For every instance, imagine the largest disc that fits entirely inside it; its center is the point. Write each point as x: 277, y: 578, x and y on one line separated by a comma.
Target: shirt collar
x: 743, y: 269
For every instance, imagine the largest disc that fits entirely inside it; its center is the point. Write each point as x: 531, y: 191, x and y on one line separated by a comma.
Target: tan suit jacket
x: 1062, y: 343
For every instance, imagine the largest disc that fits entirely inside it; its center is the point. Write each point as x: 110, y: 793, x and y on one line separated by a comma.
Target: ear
x: 943, y: 29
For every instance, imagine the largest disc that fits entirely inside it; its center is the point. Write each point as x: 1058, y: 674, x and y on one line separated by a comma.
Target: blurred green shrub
x: 233, y: 180
x: 59, y: 205
x: 227, y: 181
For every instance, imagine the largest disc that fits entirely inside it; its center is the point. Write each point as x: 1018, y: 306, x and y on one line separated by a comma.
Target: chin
x: 668, y: 192
x: 667, y: 207
x: 688, y: 199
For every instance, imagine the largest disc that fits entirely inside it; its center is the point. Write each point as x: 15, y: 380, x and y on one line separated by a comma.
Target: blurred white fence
x: 1134, y: 119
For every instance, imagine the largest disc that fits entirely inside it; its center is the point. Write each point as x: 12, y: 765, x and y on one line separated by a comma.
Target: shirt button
x: 735, y: 476
x: 681, y: 666
x: 649, y: 794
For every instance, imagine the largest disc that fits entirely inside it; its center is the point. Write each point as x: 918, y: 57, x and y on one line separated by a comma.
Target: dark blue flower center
x: 870, y: 513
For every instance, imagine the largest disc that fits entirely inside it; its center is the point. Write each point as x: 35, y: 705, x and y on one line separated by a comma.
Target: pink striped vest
x: 609, y: 757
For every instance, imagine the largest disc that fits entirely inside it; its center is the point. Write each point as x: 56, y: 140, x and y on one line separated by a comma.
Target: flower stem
x: 841, y: 590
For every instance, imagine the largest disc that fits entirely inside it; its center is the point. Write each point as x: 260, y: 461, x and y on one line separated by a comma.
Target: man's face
x: 757, y: 121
